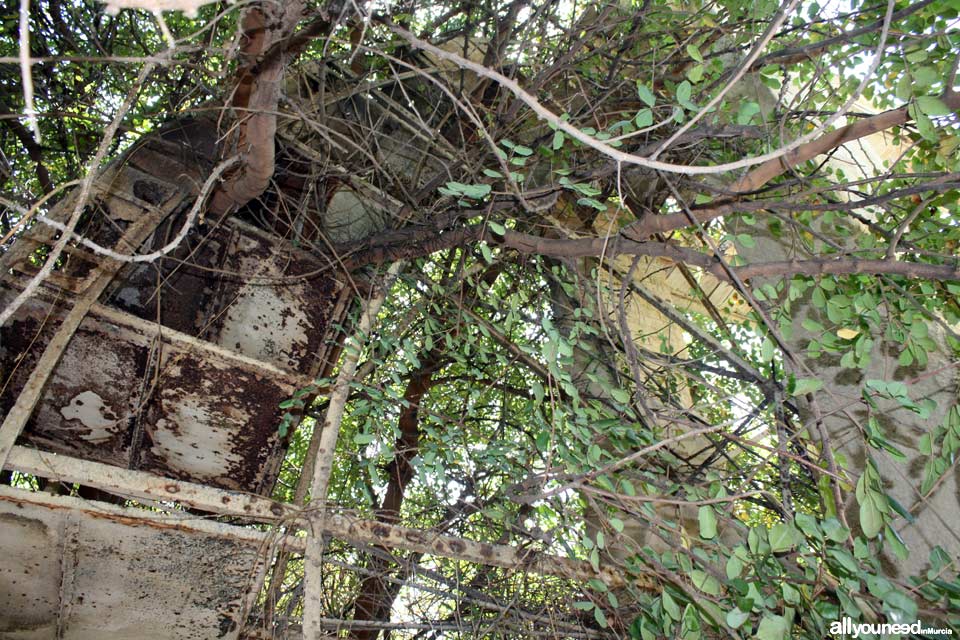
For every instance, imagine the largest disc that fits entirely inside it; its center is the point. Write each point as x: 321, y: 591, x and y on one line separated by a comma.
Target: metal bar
x: 180, y: 521
x: 141, y: 485
x: 146, y: 486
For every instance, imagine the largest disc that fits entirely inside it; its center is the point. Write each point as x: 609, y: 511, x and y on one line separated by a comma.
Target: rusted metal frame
x: 41, y: 234
x: 496, y: 555
x: 146, y: 486
x: 179, y: 521
x: 326, y: 361
x: 306, y: 471
x: 185, y: 341
x: 190, y: 343
x: 22, y: 409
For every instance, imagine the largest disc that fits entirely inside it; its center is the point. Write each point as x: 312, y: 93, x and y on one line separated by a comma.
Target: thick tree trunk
x: 841, y: 414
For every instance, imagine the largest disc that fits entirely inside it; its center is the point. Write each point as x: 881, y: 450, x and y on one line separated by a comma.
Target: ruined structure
x: 146, y: 398
x: 574, y: 308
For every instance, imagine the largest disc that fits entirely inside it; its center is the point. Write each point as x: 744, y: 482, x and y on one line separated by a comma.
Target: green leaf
x: 557, y: 140
x: 475, y: 191
x: 496, y: 227
x: 791, y: 595
x: 773, y: 628
x: 926, y: 76
x: 601, y: 617
x: 364, y: 438
x: 933, y: 106
x: 747, y: 112
x: 684, y: 89
x: 900, y: 602
x: 645, y: 94
x: 643, y: 119
x: 597, y: 585
x: 782, y: 537
x: 734, y: 567
x: 735, y: 617
x: 808, y: 524
x: 537, y: 390
x: 871, y: 517
x: 694, y: 52
x: 646, y: 633
x: 924, y: 124
x: 670, y: 606
x: 766, y: 350
x: 896, y: 544
x: 803, y: 386
x: 708, y: 522
x: 690, y: 627
x: 543, y: 441
x: 926, y: 444
x: 705, y: 582
x: 592, y: 202
x: 487, y: 254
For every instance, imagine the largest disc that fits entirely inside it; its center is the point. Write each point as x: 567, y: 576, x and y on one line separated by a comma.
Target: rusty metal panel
x: 282, y: 311
x: 84, y: 574
x: 243, y: 289
x: 191, y: 413
x: 211, y: 422
x: 179, y: 292
x: 90, y: 401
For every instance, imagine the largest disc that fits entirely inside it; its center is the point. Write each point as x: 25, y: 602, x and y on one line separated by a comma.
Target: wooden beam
x: 146, y: 486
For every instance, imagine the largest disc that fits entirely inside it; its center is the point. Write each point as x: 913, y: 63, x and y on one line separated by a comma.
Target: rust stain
x: 202, y: 419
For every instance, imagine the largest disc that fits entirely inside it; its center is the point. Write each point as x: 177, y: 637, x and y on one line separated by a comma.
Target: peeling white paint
x: 92, y: 412
x: 195, y: 437
x: 268, y: 323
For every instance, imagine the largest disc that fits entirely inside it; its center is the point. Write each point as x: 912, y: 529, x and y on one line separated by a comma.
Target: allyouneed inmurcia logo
x: 848, y: 628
